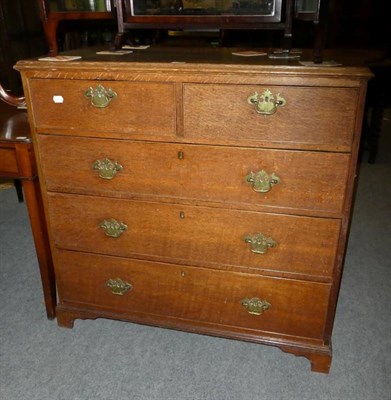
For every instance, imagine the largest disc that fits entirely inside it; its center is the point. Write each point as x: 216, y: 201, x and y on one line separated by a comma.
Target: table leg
x: 19, y: 191
x: 38, y: 226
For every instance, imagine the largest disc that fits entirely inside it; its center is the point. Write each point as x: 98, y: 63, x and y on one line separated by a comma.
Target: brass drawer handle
x: 255, y: 306
x: 100, y: 97
x: 261, y: 181
x: 118, y: 286
x: 266, y: 103
x: 107, y: 168
x: 259, y: 243
x: 113, y: 228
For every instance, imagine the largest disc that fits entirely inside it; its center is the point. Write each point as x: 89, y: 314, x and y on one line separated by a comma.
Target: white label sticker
x: 58, y: 99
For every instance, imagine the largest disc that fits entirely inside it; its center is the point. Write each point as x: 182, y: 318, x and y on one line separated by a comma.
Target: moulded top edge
x: 198, y: 68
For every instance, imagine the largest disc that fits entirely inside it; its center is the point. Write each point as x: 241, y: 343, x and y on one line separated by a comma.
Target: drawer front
x: 312, y: 118
x: 226, y: 239
x: 8, y: 163
x: 146, y: 108
x: 310, y: 181
x: 294, y: 308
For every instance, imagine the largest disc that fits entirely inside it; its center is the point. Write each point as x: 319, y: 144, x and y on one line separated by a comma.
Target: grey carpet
x: 103, y: 359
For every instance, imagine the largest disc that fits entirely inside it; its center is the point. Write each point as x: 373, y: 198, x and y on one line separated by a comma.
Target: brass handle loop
x: 259, y: 243
x: 255, y: 306
x: 107, y: 168
x: 261, y: 181
x: 118, y: 286
x: 100, y: 97
x: 113, y: 228
x: 265, y: 103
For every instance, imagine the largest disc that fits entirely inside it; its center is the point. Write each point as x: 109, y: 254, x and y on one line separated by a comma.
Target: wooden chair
x: 10, y: 99
x: 17, y: 161
x: 18, y: 102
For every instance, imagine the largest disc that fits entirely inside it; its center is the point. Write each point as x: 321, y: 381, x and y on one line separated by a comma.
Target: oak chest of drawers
x: 211, y: 197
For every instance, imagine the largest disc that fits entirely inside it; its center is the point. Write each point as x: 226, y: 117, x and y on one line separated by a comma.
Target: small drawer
x: 250, y: 302
x: 312, y: 182
x: 316, y: 118
x: 8, y: 162
x: 66, y: 106
x: 220, y: 238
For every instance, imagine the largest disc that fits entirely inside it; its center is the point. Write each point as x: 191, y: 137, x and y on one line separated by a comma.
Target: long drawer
x: 132, y: 287
x: 311, y: 182
x: 317, y: 118
x: 221, y: 238
x: 62, y: 105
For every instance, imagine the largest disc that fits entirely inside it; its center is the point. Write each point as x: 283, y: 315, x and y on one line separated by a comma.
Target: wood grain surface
x: 322, y: 116
x: 198, y: 235
x: 138, y: 108
x: 196, y: 294
x: 311, y: 183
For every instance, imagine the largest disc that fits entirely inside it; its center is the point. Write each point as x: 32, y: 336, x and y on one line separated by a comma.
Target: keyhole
x: 182, y: 215
x: 180, y: 155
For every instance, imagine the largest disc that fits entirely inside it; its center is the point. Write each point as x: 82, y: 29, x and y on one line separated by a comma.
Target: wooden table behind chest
x: 208, y: 198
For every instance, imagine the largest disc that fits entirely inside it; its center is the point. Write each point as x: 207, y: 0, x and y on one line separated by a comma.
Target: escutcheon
x: 100, y: 97
x: 113, y: 228
x: 266, y: 103
x: 255, y: 306
x: 261, y: 181
x: 259, y: 243
x: 107, y: 168
x: 118, y: 286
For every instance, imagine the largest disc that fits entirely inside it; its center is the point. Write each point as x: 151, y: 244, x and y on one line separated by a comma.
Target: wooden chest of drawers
x: 208, y: 197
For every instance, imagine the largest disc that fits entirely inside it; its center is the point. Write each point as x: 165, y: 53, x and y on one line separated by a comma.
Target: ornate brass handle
x: 259, y: 243
x: 113, y: 228
x: 261, y: 181
x: 118, y: 286
x: 107, y: 168
x: 266, y: 103
x: 255, y: 306
x: 100, y: 97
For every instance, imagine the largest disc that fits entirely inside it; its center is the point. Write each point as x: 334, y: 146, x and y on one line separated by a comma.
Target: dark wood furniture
x: 196, y: 190
x: 275, y: 15
x: 17, y: 161
x: 51, y: 18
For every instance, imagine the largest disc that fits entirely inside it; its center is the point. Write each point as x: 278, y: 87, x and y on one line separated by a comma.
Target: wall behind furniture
x: 359, y: 24
x: 21, y: 36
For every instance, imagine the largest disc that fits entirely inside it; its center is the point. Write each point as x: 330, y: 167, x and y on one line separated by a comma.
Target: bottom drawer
x: 295, y: 308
